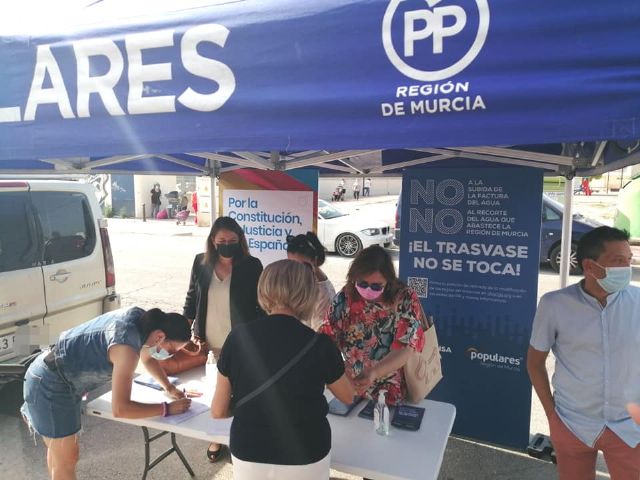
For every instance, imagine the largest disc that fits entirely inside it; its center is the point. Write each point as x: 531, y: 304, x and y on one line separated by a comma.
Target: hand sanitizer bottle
x: 210, y: 367
x: 381, y: 415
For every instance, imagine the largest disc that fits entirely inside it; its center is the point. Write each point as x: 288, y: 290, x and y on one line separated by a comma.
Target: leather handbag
x: 423, y: 370
x: 193, y: 355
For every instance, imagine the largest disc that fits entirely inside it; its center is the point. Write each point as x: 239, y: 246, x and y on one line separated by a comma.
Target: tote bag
x: 423, y: 370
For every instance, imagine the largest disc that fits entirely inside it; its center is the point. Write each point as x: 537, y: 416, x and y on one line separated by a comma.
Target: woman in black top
x: 222, y: 290
x: 285, y: 425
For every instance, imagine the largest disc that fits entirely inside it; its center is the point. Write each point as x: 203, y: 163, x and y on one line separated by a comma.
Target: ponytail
x: 319, y: 248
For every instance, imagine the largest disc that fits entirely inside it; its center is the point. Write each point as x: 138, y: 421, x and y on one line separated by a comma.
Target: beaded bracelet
x: 165, y: 409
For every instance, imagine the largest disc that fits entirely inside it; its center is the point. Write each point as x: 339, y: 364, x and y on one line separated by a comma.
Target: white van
x: 56, y: 267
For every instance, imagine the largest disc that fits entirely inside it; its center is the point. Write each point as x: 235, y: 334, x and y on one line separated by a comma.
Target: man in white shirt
x: 366, y: 189
x: 593, y: 328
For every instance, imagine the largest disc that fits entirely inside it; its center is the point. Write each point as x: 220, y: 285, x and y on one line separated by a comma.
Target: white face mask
x: 159, y: 353
x: 616, y: 278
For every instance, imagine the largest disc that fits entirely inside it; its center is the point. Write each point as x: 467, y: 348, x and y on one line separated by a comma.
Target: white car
x: 348, y: 234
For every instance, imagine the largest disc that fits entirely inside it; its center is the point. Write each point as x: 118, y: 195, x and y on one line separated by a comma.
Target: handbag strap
x: 273, y: 379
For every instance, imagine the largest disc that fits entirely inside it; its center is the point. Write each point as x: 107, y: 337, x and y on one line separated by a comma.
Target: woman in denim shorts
x: 105, y: 349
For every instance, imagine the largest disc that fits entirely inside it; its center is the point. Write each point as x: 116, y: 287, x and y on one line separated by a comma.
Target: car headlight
x: 371, y: 231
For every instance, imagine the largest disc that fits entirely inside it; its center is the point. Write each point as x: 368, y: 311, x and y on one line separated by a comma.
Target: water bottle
x: 381, y: 415
x: 210, y: 367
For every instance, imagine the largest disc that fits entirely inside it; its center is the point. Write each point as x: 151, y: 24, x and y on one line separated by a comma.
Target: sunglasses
x: 376, y: 287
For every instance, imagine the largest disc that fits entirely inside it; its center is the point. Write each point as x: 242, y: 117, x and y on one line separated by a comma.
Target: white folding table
x: 356, y: 448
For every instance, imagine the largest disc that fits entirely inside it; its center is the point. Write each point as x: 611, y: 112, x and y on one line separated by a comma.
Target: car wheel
x: 554, y: 259
x: 348, y: 245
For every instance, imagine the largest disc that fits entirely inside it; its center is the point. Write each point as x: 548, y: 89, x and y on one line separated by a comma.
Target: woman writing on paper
x: 222, y: 290
x: 374, y: 321
x: 105, y: 349
x: 276, y: 369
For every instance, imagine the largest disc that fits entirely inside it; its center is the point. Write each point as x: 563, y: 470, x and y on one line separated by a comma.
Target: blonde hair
x: 288, y: 284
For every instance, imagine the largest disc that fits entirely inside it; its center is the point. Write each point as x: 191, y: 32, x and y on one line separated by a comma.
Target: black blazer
x: 243, y: 293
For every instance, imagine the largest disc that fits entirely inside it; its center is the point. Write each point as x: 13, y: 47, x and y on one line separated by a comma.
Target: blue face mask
x: 616, y: 278
x: 159, y: 354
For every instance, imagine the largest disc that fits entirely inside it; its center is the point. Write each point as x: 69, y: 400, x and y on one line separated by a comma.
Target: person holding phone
x: 105, y: 349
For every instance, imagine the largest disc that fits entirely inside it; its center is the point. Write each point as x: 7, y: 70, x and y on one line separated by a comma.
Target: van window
x: 67, y: 226
x: 18, y: 239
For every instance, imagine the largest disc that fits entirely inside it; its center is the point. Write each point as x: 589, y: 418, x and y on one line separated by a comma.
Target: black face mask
x: 229, y: 250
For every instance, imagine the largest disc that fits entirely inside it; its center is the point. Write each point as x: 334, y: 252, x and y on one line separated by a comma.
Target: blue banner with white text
x: 470, y: 240
x: 193, y: 75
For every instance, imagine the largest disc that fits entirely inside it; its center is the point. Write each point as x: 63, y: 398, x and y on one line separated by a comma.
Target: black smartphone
x: 407, y: 417
x: 367, y: 411
x: 336, y: 407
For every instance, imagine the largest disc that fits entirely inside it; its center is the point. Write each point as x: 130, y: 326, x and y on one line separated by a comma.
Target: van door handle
x: 60, y: 276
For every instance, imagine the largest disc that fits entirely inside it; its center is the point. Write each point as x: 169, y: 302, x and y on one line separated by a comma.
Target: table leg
x: 174, y: 448
x: 145, y: 432
x: 179, y: 452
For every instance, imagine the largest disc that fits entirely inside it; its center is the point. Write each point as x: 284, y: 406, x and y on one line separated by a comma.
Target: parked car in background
x: 348, y: 234
x: 550, y: 235
x: 552, y: 213
x: 56, y: 267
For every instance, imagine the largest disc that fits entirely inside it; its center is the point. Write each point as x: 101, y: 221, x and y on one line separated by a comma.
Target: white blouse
x: 218, y: 323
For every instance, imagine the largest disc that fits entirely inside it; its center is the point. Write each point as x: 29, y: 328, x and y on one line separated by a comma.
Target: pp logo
x: 439, y: 38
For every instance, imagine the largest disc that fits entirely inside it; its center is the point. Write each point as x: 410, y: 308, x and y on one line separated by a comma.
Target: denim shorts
x: 51, y: 406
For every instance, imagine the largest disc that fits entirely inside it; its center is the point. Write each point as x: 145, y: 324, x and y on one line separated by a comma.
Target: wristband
x: 165, y: 409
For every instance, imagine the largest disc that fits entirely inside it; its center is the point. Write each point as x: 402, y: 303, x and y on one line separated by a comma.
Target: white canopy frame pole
x: 567, y: 224
x: 213, y: 188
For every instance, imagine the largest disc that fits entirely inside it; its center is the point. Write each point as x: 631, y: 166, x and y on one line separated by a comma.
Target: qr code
x: 419, y: 285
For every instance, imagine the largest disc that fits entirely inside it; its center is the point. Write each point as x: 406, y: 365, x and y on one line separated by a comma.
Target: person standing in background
x: 306, y: 248
x: 356, y: 189
x: 194, y: 204
x: 155, y: 200
x: 366, y: 190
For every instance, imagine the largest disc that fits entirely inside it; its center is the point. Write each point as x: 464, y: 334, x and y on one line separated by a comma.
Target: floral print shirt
x: 365, y: 332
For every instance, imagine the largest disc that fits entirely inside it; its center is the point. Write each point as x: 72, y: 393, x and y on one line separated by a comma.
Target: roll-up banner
x: 470, y: 240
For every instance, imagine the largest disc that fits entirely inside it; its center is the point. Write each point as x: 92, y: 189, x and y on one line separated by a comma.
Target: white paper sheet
x: 195, y: 410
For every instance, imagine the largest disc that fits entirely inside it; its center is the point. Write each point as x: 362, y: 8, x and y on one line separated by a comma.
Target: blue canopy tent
x: 200, y: 86
x: 111, y: 79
